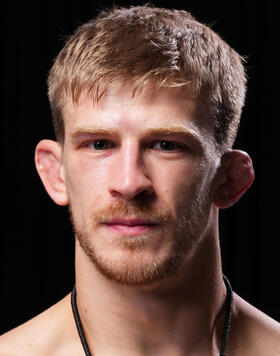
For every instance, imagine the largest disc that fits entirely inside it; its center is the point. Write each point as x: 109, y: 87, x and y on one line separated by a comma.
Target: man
x: 146, y: 104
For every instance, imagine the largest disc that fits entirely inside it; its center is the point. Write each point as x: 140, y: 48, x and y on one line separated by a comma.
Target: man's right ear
x: 48, y: 161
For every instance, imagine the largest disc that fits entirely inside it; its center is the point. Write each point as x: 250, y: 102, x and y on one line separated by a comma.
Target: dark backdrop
x: 37, y: 244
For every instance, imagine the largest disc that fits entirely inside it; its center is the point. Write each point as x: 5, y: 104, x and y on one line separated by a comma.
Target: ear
x: 48, y: 161
x: 236, y: 174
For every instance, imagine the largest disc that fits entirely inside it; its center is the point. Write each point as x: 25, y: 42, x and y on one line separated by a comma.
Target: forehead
x: 149, y: 108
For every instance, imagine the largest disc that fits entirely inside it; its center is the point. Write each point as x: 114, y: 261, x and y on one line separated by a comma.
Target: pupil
x: 166, y: 145
x: 100, y: 145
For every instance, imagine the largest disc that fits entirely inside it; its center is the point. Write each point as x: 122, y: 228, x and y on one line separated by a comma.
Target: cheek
x: 178, y: 183
x: 180, y: 174
x: 85, y: 180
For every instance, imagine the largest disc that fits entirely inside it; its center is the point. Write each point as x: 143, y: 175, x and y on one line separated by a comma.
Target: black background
x: 37, y: 243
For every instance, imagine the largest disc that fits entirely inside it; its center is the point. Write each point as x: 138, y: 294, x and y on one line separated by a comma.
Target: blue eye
x: 167, y: 146
x: 100, y: 145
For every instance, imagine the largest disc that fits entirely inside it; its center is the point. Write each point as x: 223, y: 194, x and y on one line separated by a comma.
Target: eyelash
x: 178, y: 146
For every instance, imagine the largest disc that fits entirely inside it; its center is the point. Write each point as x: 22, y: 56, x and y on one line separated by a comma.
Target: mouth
x: 130, y: 226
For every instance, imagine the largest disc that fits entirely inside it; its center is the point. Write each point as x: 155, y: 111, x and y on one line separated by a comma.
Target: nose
x: 129, y: 177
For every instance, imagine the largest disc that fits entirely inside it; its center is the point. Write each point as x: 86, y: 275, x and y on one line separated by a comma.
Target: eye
x: 99, y: 145
x: 167, y: 146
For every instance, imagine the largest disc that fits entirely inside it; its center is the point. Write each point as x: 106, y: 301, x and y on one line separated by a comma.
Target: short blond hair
x: 141, y: 44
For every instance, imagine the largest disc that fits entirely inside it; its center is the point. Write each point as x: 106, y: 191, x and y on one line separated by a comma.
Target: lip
x: 130, y: 226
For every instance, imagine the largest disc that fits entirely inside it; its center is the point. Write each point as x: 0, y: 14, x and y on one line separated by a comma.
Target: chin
x: 134, y: 260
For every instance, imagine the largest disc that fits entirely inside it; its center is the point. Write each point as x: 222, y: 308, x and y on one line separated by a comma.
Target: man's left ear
x: 237, y: 174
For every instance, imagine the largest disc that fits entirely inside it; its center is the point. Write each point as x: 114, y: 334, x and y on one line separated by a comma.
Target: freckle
x: 86, y: 310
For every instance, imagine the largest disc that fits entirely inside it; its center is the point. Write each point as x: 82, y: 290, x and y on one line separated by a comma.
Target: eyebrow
x: 173, y: 130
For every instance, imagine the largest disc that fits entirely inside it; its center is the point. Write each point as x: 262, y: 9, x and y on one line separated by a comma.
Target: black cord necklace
x: 229, y: 304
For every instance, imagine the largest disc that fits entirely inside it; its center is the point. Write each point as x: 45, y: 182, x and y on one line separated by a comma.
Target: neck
x: 182, y: 315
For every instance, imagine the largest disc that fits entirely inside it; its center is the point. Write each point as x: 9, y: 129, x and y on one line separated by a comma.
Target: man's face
x: 138, y: 172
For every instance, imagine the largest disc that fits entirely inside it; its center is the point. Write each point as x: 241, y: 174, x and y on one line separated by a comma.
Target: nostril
x: 128, y: 174
x: 131, y: 190
x: 139, y: 194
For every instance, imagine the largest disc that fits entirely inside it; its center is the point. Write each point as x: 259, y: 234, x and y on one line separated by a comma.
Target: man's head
x: 146, y: 104
x: 144, y: 44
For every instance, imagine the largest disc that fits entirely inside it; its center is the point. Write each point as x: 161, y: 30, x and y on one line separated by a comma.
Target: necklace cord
x: 226, y: 331
x: 78, y: 322
x: 229, y: 305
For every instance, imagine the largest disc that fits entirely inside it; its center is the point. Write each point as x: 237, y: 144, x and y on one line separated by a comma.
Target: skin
x: 184, y: 312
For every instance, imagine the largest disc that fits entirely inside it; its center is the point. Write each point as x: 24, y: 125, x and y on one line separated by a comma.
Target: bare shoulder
x: 253, y: 332
x: 49, y: 333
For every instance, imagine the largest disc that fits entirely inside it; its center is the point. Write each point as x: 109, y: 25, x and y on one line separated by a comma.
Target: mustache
x: 121, y: 209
